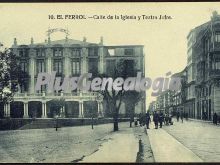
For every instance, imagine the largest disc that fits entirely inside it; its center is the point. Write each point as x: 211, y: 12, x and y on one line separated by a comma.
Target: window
x: 93, y: 66
x: 206, y: 45
x: 110, y: 67
x: 75, y: 67
x: 76, y: 52
x: 93, y: 52
x: 24, y: 86
x: 58, y: 52
x: 111, y: 52
x: 40, y: 52
x: 217, y: 37
x: 23, y: 53
x: 217, y: 65
x: 129, y: 69
x: 24, y: 66
x: 58, y: 67
x: 129, y: 52
x: 40, y: 66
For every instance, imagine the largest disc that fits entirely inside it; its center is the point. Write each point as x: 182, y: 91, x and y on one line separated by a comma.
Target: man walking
x: 215, y: 119
x: 178, y: 116
x: 148, y: 120
x: 156, y: 119
x: 181, y: 116
x: 161, y: 119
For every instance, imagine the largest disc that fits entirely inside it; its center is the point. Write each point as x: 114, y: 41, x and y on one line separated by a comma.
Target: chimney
x: 15, y: 42
x: 101, y: 40
x: 32, y: 41
x: 84, y: 39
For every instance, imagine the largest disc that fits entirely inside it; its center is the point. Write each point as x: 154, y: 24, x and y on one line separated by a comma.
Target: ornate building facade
x: 68, y: 57
x: 203, y: 70
x: 199, y: 96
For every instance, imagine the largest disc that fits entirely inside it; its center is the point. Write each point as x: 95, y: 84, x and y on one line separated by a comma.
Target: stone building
x: 203, y: 69
x: 163, y: 103
x: 72, y: 58
x: 199, y: 95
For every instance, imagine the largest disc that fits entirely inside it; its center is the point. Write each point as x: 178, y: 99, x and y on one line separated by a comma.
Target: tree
x: 10, y: 75
x: 131, y: 98
x: 123, y: 69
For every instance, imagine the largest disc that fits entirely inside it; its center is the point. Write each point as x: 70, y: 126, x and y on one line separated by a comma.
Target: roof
x: 66, y: 42
x: 180, y: 74
x: 199, y: 28
x: 73, y: 42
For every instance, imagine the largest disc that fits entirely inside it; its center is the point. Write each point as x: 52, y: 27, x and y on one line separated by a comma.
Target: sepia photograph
x: 113, y: 82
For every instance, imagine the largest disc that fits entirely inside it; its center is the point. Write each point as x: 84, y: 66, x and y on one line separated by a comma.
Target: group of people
x: 158, y: 119
x: 180, y: 115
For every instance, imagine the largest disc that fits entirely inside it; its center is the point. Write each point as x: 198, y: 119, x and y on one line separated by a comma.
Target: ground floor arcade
x: 47, y: 109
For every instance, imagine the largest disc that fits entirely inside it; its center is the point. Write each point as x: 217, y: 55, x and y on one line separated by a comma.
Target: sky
x: 165, y: 43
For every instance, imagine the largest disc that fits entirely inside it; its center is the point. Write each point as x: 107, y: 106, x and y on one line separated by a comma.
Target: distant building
x: 163, y: 103
x: 68, y: 57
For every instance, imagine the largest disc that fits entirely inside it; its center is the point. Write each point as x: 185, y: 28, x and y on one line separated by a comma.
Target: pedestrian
x: 161, y: 119
x: 178, y: 116
x: 167, y: 119
x: 156, y: 120
x: 181, y: 116
x: 187, y: 116
x: 170, y: 120
x: 148, y: 120
x: 136, y: 123
x: 139, y: 119
x: 215, y: 118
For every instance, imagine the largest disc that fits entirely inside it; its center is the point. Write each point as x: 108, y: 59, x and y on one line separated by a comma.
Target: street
x: 190, y: 141
x: 47, y: 145
x: 200, y: 137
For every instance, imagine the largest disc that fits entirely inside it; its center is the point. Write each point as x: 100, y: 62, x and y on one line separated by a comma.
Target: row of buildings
x: 69, y: 57
x: 199, y: 94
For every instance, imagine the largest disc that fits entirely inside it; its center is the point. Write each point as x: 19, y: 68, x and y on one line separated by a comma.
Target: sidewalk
x: 200, y: 120
x: 210, y: 122
x: 122, y: 146
x: 167, y: 149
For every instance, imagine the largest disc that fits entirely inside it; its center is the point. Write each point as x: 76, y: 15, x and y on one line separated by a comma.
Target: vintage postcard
x: 110, y: 82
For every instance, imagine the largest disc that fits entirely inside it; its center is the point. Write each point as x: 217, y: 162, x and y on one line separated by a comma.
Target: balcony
x: 214, y: 73
x: 48, y: 96
x: 216, y: 47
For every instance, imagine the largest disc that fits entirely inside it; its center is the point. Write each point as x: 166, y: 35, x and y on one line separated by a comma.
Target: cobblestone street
x: 200, y: 137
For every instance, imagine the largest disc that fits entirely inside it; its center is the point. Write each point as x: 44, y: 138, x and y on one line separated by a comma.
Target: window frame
x: 60, y: 52
x: 217, y: 36
x: 59, y: 72
x: 44, y: 65
x: 75, y: 70
x: 131, y: 53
